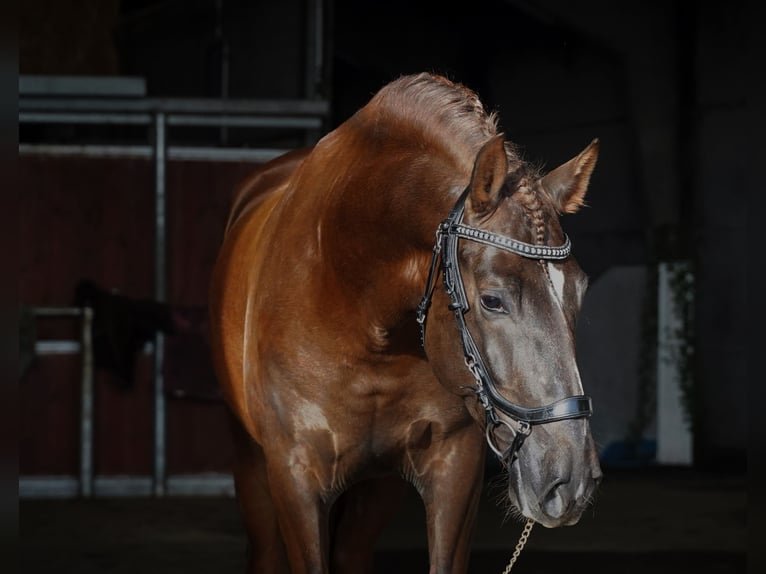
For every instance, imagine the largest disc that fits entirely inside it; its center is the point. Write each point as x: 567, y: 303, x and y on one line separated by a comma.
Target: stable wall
x: 94, y: 219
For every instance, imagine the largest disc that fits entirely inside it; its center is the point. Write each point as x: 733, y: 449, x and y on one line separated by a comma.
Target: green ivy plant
x: 681, y: 355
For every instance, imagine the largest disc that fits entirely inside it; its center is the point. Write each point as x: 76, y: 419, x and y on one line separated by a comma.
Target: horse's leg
x: 361, y: 515
x: 302, y: 512
x: 451, y: 488
x: 266, y: 552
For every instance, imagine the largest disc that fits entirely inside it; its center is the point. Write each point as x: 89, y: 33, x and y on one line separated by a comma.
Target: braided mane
x: 535, y: 207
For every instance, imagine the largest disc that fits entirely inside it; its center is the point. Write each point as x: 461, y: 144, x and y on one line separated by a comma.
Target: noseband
x: 447, y: 235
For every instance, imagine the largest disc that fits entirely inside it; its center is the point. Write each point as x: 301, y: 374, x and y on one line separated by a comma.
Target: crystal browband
x: 513, y: 245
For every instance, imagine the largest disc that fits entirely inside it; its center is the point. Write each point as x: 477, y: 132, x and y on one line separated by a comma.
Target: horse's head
x: 518, y: 314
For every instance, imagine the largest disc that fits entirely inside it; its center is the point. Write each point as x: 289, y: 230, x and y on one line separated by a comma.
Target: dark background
x: 671, y: 89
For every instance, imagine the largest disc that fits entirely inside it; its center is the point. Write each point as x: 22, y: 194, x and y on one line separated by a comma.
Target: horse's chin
x: 569, y: 520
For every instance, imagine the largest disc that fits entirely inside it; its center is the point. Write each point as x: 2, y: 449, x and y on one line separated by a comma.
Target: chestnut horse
x: 316, y: 299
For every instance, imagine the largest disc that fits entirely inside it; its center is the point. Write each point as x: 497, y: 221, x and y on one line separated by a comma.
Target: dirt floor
x: 656, y: 520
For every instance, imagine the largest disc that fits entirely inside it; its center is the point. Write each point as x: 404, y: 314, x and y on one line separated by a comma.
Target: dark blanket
x: 123, y: 325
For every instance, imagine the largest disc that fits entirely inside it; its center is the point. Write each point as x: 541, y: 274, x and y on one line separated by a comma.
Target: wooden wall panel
x: 80, y: 219
x: 94, y: 219
x: 49, y: 403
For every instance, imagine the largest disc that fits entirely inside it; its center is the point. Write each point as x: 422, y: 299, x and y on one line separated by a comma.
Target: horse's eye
x: 493, y: 303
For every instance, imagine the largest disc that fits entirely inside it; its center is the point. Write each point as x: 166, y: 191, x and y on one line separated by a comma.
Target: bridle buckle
x: 520, y: 434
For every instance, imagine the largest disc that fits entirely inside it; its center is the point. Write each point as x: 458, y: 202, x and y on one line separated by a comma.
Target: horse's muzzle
x: 563, y: 501
x: 554, y: 488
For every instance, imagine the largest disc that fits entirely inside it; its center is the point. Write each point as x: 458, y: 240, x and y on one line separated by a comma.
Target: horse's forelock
x: 535, y: 206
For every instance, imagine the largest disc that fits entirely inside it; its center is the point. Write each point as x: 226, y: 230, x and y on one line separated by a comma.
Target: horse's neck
x: 378, y: 233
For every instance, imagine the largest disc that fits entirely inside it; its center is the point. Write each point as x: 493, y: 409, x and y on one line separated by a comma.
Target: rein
x: 445, y: 252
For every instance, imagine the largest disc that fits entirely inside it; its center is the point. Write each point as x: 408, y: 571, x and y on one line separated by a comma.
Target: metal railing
x: 87, y: 483
x: 83, y: 484
x: 158, y: 114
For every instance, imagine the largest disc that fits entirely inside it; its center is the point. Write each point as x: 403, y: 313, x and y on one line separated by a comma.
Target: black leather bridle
x: 445, y: 249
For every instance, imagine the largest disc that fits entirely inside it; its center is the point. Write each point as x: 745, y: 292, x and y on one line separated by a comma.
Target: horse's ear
x: 568, y: 183
x: 489, y: 173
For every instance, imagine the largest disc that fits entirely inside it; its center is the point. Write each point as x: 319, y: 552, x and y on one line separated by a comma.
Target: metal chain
x: 520, y: 545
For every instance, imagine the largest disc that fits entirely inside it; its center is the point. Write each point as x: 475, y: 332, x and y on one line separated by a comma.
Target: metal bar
x: 318, y: 47
x: 64, y: 347
x: 172, y: 153
x: 209, y: 484
x: 57, y: 347
x: 86, y: 406
x: 284, y: 122
x: 310, y: 32
x: 88, y: 150
x: 181, y: 153
x: 62, y: 487
x: 48, y: 487
x: 111, y: 86
x: 57, y: 311
x: 124, y: 486
x: 298, y: 122
x: 177, y: 106
x: 319, y: 51
x: 314, y: 60
x: 220, y: 38
x: 83, y: 118
x: 160, y: 294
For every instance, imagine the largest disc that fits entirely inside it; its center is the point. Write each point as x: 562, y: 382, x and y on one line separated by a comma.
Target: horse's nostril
x: 559, y: 482
x: 555, y: 503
